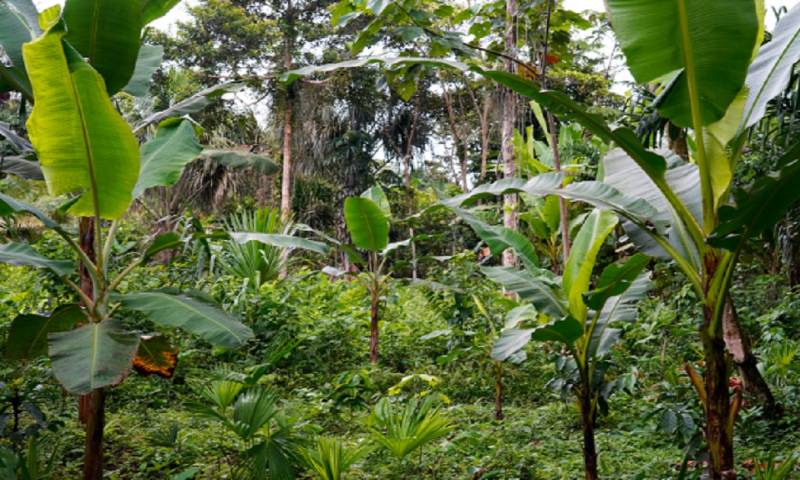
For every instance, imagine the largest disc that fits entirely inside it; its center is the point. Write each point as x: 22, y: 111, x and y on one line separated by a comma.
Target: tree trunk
x: 373, y: 316
x: 719, y: 436
x: 498, y: 391
x: 286, y: 180
x: 510, y: 202
x: 587, y: 427
x: 485, y: 137
x: 408, y: 148
x: 288, y: 115
x: 91, y: 407
x: 563, y: 206
x: 461, y: 150
x: 93, y: 448
x: 738, y: 345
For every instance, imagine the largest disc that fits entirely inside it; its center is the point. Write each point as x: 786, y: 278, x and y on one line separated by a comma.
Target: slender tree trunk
x: 413, y: 254
x: 91, y: 407
x: 408, y: 149
x: 288, y: 116
x: 461, y: 151
x: 563, y: 206
x: 483, y: 118
x: 485, y: 137
x: 93, y: 448
x: 286, y: 181
x: 740, y: 348
x: 587, y: 427
x: 510, y: 202
x: 498, y: 391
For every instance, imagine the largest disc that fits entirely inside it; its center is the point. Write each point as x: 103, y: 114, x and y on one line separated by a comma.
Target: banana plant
x: 716, y: 80
x: 367, y: 219
x: 87, y: 151
x: 574, y: 311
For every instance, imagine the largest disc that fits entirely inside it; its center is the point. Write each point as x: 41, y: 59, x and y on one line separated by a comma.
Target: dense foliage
x: 399, y: 239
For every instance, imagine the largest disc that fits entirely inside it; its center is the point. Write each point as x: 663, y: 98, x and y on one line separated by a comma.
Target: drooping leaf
x: 719, y: 156
x: 108, y: 33
x: 281, y: 240
x: 772, y: 68
x: 560, y: 104
x: 396, y: 246
x: 500, y: 238
x: 624, y: 174
x: 155, y: 356
x: 21, y: 254
x: 165, y: 156
x: 565, y: 330
x: 377, y: 195
x: 190, y: 105
x: 540, y: 185
x: 761, y: 205
x: 11, y: 206
x: 165, y: 241
x: 150, y: 58
x: 615, y: 279
x: 27, y: 336
x: 708, y: 43
x: 540, y: 291
x: 511, y: 341
x: 152, y: 10
x: 368, y: 226
x: 21, y: 167
x: 239, y: 159
x: 191, y: 312
x: 22, y: 145
x: 18, y: 24
x: 93, y: 356
x: 578, y: 270
x: 605, y: 196
x: 83, y: 144
x: 621, y: 308
x: 387, y: 61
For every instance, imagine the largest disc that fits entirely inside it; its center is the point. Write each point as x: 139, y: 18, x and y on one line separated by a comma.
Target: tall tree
x: 510, y: 201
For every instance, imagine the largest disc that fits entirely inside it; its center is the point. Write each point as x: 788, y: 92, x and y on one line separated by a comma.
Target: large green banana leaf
x: 27, y: 335
x: 702, y: 47
x: 194, y: 313
x: 165, y: 156
x: 540, y: 291
x: 93, y: 356
x: 761, y: 205
x: 11, y: 206
x: 108, y: 33
x: 500, y: 238
x: 621, y: 308
x: 154, y: 9
x: 377, y: 195
x: 624, y: 175
x: 22, y: 254
x: 580, y: 264
x: 771, y: 70
x: 83, y: 144
x: 150, y: 58
x: 367, y: 224
x: 18, y: 25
